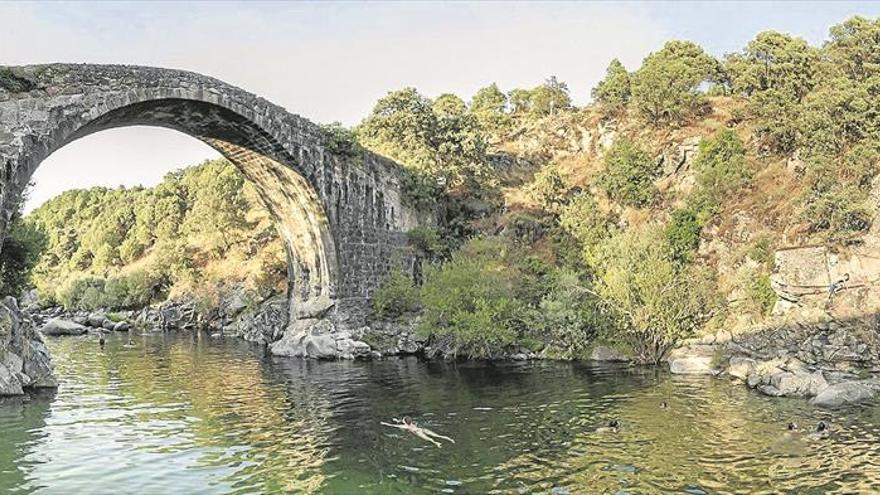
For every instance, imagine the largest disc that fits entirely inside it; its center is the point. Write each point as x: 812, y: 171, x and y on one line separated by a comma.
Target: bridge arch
x: 342, y: 218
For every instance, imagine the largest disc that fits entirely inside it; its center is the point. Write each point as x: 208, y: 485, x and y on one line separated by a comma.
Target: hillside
x: 675, y: 206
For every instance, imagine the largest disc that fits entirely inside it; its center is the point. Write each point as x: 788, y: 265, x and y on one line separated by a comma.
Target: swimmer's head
x: 822, y: 426
x: 614, y: 423
x: 664, y: 405
x: 407, y: 420
x: 792, y: 426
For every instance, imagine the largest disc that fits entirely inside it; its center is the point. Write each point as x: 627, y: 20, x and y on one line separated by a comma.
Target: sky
x: 330, y: 61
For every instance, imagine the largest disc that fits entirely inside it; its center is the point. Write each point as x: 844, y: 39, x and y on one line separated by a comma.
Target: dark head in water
x: 614, y: 423
x: 792, y: 426
x: 822, y: 426
x: 101, y: 341
x: 407, y: 420
x: 664, y: 405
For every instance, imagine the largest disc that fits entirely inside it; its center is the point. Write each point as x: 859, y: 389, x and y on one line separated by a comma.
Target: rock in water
x: 24, y: 359
x: 607, y: 353
x: 843, y: 393
x: 57, y: 326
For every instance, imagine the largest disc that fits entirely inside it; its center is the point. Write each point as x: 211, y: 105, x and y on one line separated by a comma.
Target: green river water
x: 183, y: 413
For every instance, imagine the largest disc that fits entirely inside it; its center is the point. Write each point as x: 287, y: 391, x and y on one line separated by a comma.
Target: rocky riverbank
x: 24, y: 359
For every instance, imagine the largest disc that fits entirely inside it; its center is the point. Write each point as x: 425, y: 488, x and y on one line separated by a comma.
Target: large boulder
x: 606, y: 353
x: 741, y: 367
x: 693, y: 360
x: 24, y: 358
x: 843, y: 393
x: 96, y: 319
x: 9, y: 382
x: 58, y: 326
x: 319, y: 339
x: 794, y: 384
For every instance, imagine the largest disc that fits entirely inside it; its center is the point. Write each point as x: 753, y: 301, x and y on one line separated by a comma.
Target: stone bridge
x: 341, y: 214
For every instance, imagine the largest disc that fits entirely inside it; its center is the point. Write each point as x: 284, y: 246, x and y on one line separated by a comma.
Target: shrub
x: 682, y: 235
x: 721, y: 164
x: 569, y: 315
x: 583, y: 220
x: 832, y: 205
x: 81, y: 293
x: 427, y: 241
x: 549, y: 189
x: 340, y: 140
x: 629, y: 175
x: 469, y: 300
x: 396, y: 296
x: 652, y: 302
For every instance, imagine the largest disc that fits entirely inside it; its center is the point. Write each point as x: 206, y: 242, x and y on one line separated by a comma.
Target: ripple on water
x: 179, y: 413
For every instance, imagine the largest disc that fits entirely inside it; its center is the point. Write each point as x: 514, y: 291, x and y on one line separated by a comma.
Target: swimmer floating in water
x: 423, y: 433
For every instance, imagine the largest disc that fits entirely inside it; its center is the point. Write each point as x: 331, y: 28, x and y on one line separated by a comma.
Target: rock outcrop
x: 850, y: 392
x: 24, y: 359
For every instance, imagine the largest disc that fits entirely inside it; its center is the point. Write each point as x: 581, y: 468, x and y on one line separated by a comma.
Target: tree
x: 667, y: 87
x: 549, y: 98
x: 440, y: 140
x: 613, y: 92
x: 629, y: 174
x: 489, y: 106
x: 775, y: 71
x: 853, y: 50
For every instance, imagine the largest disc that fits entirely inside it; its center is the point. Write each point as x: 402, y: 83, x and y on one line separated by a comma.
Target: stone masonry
x: 342, y: 216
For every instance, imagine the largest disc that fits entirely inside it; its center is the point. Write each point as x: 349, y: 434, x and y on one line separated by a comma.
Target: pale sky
x: 331, y: 61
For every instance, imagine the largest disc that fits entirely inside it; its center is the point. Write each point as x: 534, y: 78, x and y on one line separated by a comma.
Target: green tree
x: 489, y: 106
x: 775, y: 72
x: 667, y: 87
x: 629, y: 174
x: 549, y: 98
x: 613, y: 92
x: 853, y: 49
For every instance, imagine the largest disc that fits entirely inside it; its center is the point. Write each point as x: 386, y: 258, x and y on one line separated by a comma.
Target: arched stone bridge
x: 342, y: 218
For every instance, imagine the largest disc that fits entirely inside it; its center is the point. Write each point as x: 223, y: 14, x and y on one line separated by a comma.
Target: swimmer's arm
x: 402, y: 427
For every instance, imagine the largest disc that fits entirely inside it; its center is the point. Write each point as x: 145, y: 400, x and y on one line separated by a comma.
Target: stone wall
x: 343, y: 217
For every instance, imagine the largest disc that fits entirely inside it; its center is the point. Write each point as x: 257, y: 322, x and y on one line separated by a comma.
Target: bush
x: 396, y: 296
x: 666, y: 88
x: 629, y: 175
x: 652, y: 302
x: 549, y: 189
x: 583, y: 220
x: 721, y: 165
x: 82, y: 293
x: 682, y: 235
x: 469, y: 300
x: 340, y: 140
x: 832, y: 205
x: 569, y: 315
x: 427, y: 241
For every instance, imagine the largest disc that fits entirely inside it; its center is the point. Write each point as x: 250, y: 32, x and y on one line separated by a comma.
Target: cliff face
x: 24, y: 358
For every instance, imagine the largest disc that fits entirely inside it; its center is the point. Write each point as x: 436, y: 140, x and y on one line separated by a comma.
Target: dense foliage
x: 123, y: 248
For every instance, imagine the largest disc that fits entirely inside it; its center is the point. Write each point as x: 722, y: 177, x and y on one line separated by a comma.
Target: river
x: 184, y: 413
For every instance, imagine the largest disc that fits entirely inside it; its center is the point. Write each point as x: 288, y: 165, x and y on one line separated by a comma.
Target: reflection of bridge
x: 342, y: 217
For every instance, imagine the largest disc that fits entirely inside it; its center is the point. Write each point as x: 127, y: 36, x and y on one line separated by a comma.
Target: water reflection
x: 188, y: 414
